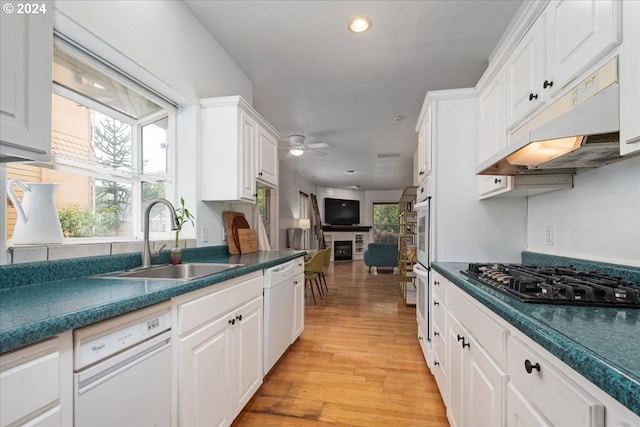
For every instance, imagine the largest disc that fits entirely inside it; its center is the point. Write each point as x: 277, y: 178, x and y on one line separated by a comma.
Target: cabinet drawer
x: 439, y: 314
x: 206, y: 304
x: 441, y: 378
x: 280, y: 273
x: 439, y: 346
x: 298, y: 267
x: 30, y: 380
x: 545, y: 388
x: 491, y: 335
x: 439, y: 289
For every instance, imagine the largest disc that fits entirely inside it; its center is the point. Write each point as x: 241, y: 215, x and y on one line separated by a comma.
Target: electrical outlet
x: 224, y: 234
x: 548, y: 237
x: 204, y: 233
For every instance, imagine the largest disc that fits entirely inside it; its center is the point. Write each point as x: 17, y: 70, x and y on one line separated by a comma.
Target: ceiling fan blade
x: 315, y: 152
x: 317, y: 145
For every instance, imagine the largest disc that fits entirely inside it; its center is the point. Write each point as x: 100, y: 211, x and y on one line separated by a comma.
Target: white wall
x: 290, y: 184
x: 162, y: 44
x: 468, y: 229
x: 599, y: 219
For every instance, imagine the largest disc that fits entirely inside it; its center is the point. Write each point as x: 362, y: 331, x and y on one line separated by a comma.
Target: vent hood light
x: 540, y: 152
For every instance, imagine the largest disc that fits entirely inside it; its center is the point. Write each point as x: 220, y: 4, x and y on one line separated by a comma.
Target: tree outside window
x: 386, y: 226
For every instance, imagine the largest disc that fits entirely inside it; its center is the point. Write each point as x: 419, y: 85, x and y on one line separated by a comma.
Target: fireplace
x: 343, y: 250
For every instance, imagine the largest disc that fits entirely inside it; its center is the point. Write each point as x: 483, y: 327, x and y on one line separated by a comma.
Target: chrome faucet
x: 175, y: 225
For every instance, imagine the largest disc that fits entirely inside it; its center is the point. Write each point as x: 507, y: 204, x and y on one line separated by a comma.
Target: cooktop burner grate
x: 556, y: 285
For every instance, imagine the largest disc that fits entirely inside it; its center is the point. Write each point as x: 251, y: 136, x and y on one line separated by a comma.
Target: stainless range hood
x: 579, y: 130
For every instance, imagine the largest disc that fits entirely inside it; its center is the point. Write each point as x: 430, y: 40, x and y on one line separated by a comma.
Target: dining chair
x: 327, y: 263
x: 312, y: 270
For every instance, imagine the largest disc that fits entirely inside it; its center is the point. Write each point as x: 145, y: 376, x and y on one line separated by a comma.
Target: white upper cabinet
x: 566, y: 40
x: 493, y: 132
x: 630, y: 79
x: 525, y: 71
x: 424, y: 143
x: 237, y: 147
x: 26, y: 51
x: 267, y: 157
x: 578, y: 34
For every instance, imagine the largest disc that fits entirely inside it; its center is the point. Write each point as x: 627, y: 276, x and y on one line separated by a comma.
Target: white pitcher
x: 38, y: 220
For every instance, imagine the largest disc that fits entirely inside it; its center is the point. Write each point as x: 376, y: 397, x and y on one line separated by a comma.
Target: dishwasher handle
x: 97, y: 374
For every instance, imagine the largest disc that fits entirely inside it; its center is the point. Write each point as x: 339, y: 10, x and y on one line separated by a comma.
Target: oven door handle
x: 421, y: 271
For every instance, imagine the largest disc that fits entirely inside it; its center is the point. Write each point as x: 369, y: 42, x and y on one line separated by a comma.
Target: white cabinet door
x: 520, y: 413
x: 486, y: 383
x: 493, y: 132
x: 579, y: 33
x: 267, y: 157
x: 424, y: 146
x: 298, y: 306
x: 247, y: 332
x: 228, y: 150
x: 26, y: 48
x: 247, y: 157
x: 524, y: 74
x: 36, y: 384
x: 205, y: 375
x: 630, y: 79
x: 455, y: 410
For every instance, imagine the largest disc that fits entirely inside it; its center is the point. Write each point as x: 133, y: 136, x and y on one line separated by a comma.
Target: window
x: 386, y: 217
x: 303, y: 213
x: 111, y: 142
x: 267, y: 208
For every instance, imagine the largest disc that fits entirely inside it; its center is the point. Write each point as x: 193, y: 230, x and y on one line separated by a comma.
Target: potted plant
x: 183, y: 215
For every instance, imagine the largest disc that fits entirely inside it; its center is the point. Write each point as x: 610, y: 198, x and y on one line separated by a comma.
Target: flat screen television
x: 341, y: 212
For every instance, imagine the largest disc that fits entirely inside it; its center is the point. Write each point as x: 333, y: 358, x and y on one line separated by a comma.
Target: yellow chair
x: 327, y: 263
x: 312, y: 270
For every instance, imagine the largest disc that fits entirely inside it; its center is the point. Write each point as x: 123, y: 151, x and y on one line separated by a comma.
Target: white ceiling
x: 311, y: 76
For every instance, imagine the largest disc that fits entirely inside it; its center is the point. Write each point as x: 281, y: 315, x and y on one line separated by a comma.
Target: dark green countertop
x: 40, y: 300
x: 601, y: 343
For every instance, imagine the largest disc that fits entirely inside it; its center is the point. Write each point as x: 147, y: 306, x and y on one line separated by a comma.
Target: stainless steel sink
x: 188, y: 271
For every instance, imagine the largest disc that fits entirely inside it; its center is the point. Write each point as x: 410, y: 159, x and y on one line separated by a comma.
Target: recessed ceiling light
x: 397, y: 119
x: 359, y: 24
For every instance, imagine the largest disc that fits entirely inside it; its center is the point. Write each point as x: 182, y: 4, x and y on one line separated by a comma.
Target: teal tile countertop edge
x: 40, y: 300
x: 607, y: 356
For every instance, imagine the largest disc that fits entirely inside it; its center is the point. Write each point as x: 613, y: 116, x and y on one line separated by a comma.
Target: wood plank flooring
x: 357, y: 363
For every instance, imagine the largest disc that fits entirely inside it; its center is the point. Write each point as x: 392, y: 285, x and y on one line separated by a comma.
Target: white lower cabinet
x: 539, y: 390
x: 36, y: 384
x: 219, y: 350
x: 476, y: 382
x: 298, y: 304
x: 494, y: 375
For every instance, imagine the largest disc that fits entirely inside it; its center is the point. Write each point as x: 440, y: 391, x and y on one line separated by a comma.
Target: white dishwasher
x: 278, y: 311
x: 122, y: 370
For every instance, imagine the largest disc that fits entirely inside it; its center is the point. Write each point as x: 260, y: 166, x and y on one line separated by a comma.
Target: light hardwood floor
x: 357, y: 363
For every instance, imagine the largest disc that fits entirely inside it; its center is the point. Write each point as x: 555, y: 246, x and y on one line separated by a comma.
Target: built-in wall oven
x: 422, y: 270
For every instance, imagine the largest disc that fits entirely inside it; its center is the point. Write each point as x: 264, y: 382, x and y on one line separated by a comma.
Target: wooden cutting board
x: 229, y: 217
x: 248, y: 240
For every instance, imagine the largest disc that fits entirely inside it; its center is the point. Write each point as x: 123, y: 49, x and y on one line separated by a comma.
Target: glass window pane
x: 386, y: 218
x: 87, y: 207
x: 112, y: 141
x: 154, y: 147
x: 113, y: 208
x: 159, y: 216
x: 86, y: 80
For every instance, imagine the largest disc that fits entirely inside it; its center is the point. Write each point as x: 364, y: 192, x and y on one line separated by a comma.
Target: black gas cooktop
x: 556, y: 285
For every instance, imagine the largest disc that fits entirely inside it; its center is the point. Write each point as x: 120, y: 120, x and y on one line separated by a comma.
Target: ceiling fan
x: 297, y: 147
